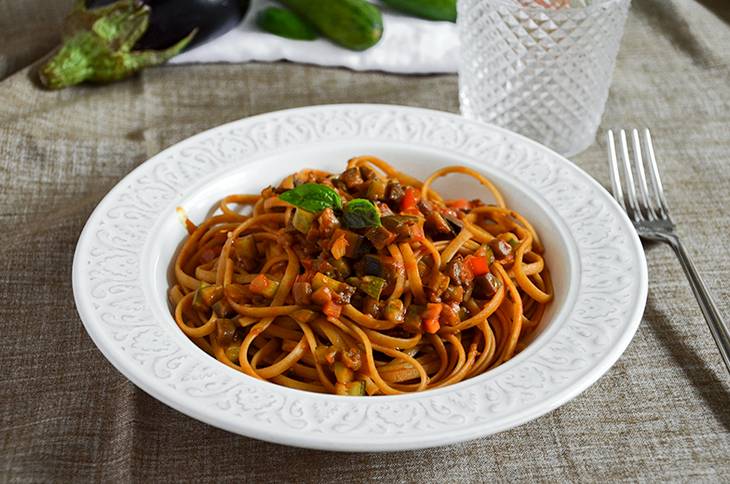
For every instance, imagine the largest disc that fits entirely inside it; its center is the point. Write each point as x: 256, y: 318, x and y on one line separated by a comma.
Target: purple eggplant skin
x: 172, y: 20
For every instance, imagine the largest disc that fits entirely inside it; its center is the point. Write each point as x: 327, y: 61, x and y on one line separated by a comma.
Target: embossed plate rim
x: 367, y: 441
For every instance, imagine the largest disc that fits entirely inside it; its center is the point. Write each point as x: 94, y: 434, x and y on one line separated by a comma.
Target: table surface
x: 662, y: 412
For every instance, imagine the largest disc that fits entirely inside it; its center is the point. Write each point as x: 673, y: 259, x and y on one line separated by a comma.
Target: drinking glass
x: 541, y: 68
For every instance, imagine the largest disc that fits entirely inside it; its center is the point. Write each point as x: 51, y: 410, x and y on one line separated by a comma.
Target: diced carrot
x: 430, y: 317
x: 459, y: 204
x: 339, y: 247
x: 478, y: 265
x: 431, y: 325
x: 409, y: 201
x: 433, y: 310
x: 331, y: 309
x: 264, y: 286
x: 322, y: 296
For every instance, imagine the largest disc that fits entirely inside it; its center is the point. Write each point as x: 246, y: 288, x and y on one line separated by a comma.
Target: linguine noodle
x: 384, y: 287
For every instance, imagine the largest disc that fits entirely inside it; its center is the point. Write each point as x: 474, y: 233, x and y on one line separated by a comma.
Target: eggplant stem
x: 100, y: 46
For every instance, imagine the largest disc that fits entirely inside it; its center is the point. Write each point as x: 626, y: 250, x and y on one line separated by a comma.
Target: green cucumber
x: 428, y: 9
x: 354, y: 24
x: 285, y: 23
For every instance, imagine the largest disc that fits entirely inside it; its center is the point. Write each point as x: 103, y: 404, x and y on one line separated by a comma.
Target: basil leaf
x: 360, y: 213
x: 312, y: 197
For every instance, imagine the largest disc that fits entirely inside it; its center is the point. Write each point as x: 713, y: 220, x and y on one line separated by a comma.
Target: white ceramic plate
x: 122, y: 261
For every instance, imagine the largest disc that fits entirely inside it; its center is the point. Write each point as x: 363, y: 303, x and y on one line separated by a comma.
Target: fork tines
x: 647, y: 203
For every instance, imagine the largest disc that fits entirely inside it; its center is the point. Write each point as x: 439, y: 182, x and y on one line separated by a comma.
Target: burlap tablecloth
x: 662, y: 412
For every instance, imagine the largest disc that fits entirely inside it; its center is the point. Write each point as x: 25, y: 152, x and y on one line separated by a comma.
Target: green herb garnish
x: 360, y: 213
x: 312, y: 197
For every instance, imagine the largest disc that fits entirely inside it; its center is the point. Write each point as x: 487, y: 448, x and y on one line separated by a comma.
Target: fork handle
x: 718, y: 327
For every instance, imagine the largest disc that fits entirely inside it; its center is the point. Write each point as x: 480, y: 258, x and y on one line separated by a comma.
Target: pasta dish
x: 366, y: 282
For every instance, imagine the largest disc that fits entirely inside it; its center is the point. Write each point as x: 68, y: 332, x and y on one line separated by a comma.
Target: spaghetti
x: 362, y: 283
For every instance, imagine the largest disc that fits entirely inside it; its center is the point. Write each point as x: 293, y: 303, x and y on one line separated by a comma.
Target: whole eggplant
x: 107, y: 40
x: 172, y: 20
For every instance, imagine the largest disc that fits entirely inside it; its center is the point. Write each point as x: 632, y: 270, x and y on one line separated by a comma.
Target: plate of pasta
x: 360, y: 278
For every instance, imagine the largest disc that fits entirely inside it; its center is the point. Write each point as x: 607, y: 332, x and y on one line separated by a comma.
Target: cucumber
x: 285, y: 23
x: 354, y: 24
x: 428, y: 9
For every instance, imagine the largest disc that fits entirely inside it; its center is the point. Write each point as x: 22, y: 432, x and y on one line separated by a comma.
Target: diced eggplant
x: 225, y: 331
x: 384, y: 210
x: 436, y: 223
x: 500, y: 248
x: 368, y: 173
x: 485, y: 286
x: 223, y: 310
x: 455, y: 270
x: 394, y: 192
x: 302, y: 292
x: 434, y: 293
x: 399, y: 224
x: 455, y: 223
x: 356, y: 247
x: 412, y: 320
x: 453, y: 294
x: 351, y: 178
x: 425, y: 207
x: 372, y: 265
x: 372, y: 307
x: 380, y: 237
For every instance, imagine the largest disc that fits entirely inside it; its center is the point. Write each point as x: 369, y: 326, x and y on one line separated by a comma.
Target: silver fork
x: 649, y: 213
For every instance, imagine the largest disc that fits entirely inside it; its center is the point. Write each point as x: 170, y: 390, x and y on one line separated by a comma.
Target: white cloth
x: 409, y: 45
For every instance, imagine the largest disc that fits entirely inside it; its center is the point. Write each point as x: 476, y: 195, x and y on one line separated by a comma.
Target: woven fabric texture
x: 66, y: 415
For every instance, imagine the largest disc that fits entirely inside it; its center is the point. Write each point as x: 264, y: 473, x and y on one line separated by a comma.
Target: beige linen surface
x: 662, y: 412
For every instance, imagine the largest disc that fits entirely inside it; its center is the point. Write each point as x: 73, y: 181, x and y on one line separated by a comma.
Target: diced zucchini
x: 372, y: 286
x: 222, y: 309
x: 325, y: 354
x: 302, y: 220
x: 376, y: 190
x: 232, y: 352
x: 211, y: 294
x: 356, y: 388
x: 264, y: 286
x: 341, y: 266
x: 245, y: 247
x: 206, y: 295
x: 394, y: 311
x: 320, y: 280
x: 343, y: 373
